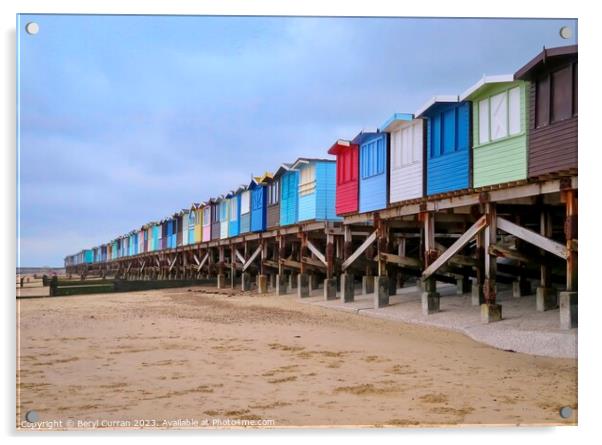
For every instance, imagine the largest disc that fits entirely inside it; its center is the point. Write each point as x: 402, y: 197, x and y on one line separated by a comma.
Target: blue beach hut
x: 448, y: 153
x: 373, y: 147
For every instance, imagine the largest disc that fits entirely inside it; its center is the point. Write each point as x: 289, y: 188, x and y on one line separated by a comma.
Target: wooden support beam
x: 476, y: 228
x: 503, y: 252
x: 570, y: 230
x: 545, y: 230
x: 313, y: 262
x: 329, y: 255
x: 367, y: 242
x: 532, y: 237
x: 252, y: 258
x: 316, y: 251
x: 489, y: 287
x: 457, y: 260
x: 290, y: 264
x: 402, y: 261
x: 173, y: 263
x: 239, y: 256
x: 203, y: 261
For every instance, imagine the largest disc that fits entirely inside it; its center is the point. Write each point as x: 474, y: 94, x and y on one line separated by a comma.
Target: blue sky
x: 126, y: 119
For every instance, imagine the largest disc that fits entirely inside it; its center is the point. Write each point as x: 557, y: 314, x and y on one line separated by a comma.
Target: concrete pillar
x: 262, y: 284
x: 546, y: 299
x: 347, y: 288
x: 367, y: 284
x: 521, y: 288
x: 392, y: 285
x: 273, y: 281
x: 292, y: 281
x: 381, y: 296
x: 330, y: 289
x: 463, y: 285
x: 313, y: 282
x: 568, y: 310
x: 491, y: 312
x: 281, y: 283
x: 302, y: 285
x: 245, y: 281
x: 221, y: 281
x: 477, y: 296
x: 430, y: 297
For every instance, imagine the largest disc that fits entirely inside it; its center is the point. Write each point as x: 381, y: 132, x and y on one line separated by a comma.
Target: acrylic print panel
x: 126, y: 121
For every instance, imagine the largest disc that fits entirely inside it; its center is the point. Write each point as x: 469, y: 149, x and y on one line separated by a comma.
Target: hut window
x: 542, y: 102
x: 499, y: 116
x: 562, y: 91
x: 514, y: 111
x: 274, y: 192
x: 484, y: 121
x: 191, y: 218
x: 234, y: 209
x: 245, y: 202
x: 206, y: 216
x: 417, y: 142
x: 307, y: 184
x: 396, y: 149
x: 449, y: 131
x: 373, y: 158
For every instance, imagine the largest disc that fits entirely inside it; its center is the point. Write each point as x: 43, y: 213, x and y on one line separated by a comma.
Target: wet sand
x: 242, y: 358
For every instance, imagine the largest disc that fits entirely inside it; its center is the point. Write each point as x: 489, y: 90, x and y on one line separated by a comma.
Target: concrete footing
x: 302, y: 285
x: 521, y: 288
x: 330, y: 289
x: 367, y: 284
x: 477, y: 296
x: 545, y: 299
x: 281, y: 284
x: 392, y: 285
x: 568, y: 310
x: 245, y: 281
x: 463, y: 285
x: 272, y: 280
x: 221, y: 281
x: 347, y: 288
x: 430, y: 297
x: 491, y: 313
x: 381, y: 296
x: 313, y: 282
x: 292, y: 281
x: 262, y: 284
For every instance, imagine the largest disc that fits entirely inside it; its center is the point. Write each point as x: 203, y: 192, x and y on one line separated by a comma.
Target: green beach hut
x: 499, y: 131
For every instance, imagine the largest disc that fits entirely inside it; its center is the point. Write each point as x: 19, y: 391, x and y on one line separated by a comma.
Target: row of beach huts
x: 503, y: 129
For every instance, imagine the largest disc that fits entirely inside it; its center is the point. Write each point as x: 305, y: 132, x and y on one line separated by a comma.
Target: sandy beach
x: 219, y: 356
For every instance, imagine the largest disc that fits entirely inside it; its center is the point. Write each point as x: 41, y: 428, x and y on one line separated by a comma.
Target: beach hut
x: 289, y: 195
x: 192, y: 223
x: 115, y: 249
x: 499, y: 122
x: 234, y: 213
x: 317, y: 188
x: 274, y: 197
x: 406, y: 148
x: 373, y: 170
x: 259, y: 195
x: 223, y: 207
x: 215, y: 222
x: 245, y: 210
x: 184, y: 217
x: 197, y: 223
x: 552, y: 110
x: 347, y: 185
x: 448, y: 153
x: 157, y: 236
x: 206, y: 221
